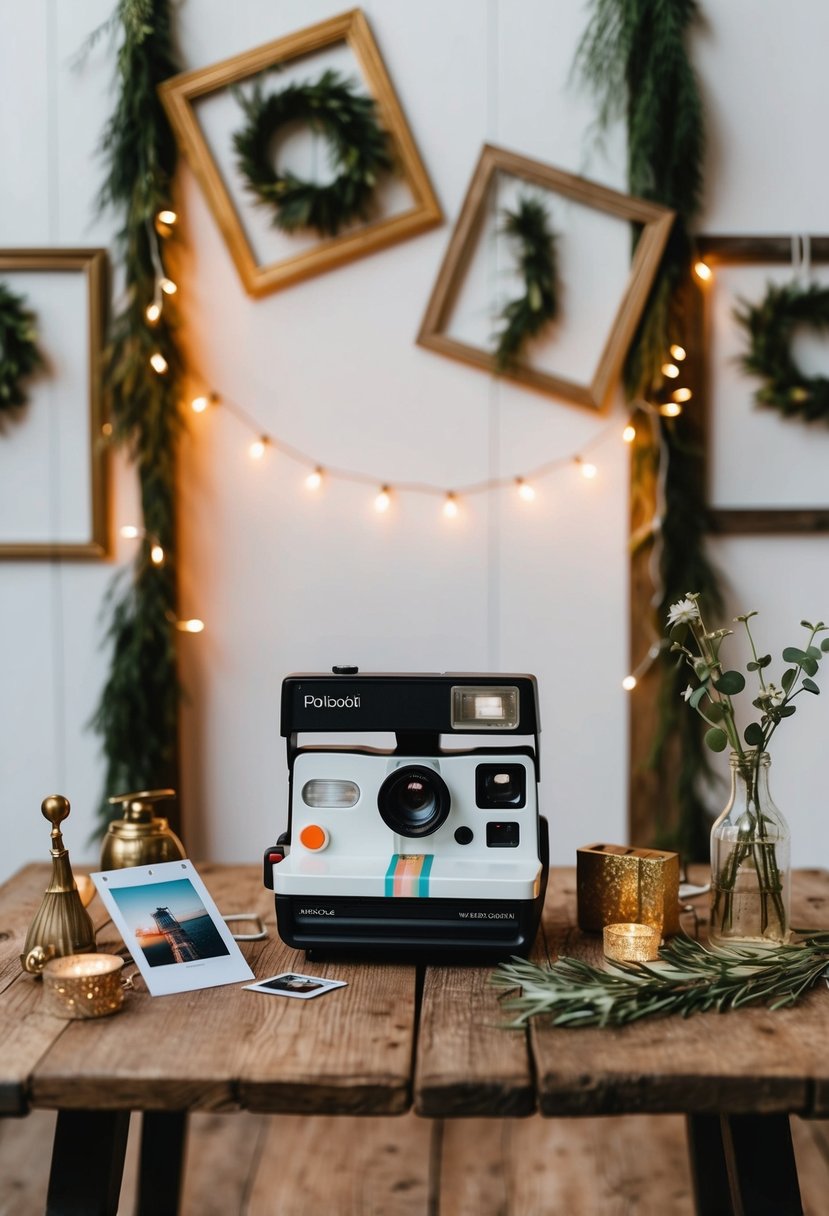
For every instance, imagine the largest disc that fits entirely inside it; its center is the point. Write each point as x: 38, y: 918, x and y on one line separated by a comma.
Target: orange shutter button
x: 314, y: 837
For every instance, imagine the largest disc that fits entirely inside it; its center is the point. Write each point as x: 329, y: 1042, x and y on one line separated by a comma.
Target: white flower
x: 772, y: 696
x: 687, y: 694
x: 682, y: 612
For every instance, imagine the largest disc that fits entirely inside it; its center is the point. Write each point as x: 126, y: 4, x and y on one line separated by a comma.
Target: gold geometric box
x: 618, y: 883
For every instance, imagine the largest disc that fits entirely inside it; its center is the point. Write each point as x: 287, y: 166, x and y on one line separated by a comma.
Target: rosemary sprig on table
x: 689, y: 978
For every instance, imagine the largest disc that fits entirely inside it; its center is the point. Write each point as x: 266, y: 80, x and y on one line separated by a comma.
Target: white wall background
x: 289, y: 581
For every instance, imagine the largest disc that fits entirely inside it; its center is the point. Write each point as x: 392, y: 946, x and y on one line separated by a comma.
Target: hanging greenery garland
x: 358, y: 146
x: 634, y: 59
x: 19, y: 354
x: 524, y: 317
x: 770, y: 327
x: 137, y: 715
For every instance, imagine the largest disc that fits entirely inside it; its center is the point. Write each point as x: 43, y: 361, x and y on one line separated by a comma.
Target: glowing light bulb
x: 629, y: 433
x: 525, y: 491
x: 682, y: 394
x: 157, y: 555
x: 152, y: 312
x: 703, y: 271
x: 158, y: 363
x: 168, y: 287
x: 450, y: 507
x: 629, y: 683
x: 193, y: 625
x: 588, y: 470
x: 383, y: 500
x: 130, y: 531
x: 671, y: 409
x: 166, y: 217
x: 314, y: 480
x: 257, y: 449
x: 199, y: 404
x: 670, y: 370
x: 678, y: 352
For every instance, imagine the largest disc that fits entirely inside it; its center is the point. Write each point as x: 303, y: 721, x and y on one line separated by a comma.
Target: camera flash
x: 476, y: 708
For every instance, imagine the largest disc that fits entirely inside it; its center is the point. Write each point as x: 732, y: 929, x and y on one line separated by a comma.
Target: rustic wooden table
x: 398, y: 1037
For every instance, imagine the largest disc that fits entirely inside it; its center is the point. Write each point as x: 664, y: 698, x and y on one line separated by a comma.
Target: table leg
x: 161, y: 1172
x: 743, y: 1165
x: 87, y: 1162
x: 709, y: 1174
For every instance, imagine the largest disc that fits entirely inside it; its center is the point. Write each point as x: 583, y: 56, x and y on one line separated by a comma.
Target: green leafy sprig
x: 359, y: 152
x: 19, y: 353
x: 688, y: 979
x: 770, y: 326
x: 712, y: 696
x: 525, y: 316
x: 137, y: 714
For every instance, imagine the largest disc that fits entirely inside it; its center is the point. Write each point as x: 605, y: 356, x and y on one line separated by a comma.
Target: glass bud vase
x: 750, y: 866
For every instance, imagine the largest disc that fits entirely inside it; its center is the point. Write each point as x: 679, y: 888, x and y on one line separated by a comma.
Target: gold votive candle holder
x: 83, y: 985
x: 631, y: 943
x: 618, y: 884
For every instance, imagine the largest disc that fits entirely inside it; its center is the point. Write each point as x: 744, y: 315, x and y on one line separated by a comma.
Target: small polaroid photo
x: 290, y: 983
x: 172, y: 927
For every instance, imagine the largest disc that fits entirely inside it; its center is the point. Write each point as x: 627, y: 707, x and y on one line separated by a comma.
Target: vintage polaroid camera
x: 422, y: 850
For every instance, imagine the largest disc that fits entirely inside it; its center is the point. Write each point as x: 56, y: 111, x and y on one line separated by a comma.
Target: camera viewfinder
x: 500, y: 785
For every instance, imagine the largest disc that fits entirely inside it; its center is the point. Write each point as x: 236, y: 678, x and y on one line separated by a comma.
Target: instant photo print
x: 172, y: 927
x: 430, y: 848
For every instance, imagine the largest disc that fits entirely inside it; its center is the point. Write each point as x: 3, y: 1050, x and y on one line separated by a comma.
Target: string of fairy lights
x: 262, y: 442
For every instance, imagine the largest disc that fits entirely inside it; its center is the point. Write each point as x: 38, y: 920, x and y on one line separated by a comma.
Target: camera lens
x: 413, y: 801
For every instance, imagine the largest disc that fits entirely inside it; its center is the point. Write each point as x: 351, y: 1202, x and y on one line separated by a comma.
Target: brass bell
x: 141, y: 838
x: 61, y: 925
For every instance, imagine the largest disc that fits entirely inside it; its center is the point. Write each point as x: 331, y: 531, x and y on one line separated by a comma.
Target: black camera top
x: 417, y: 707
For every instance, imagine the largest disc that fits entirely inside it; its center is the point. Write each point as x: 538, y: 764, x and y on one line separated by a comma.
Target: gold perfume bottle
x: 61, y: 925
x: 140, y: 838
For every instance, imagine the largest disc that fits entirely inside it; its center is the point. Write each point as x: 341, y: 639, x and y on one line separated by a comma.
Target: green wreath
x: 526, y: 315
x: 358, y: 145
x: 770, y: 326
x: 19, y: 354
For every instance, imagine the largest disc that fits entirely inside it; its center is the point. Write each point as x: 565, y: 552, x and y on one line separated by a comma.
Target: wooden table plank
x: 750, y: 1060
x: 26, y: 1034
x: 222, y: 1048
x: 467, y: 1063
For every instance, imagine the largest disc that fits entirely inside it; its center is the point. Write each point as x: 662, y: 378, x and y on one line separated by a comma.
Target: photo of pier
x: 170, y: 922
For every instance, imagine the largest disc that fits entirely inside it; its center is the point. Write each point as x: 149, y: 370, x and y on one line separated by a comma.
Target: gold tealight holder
x: 83, y: 985
x: 631, y: 943
x: 620, y: 884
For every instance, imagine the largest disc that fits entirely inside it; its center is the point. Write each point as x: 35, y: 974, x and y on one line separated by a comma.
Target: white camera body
x: 431, y: 851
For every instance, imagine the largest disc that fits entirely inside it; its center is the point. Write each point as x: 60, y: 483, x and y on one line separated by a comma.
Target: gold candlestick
x: 61, y: 925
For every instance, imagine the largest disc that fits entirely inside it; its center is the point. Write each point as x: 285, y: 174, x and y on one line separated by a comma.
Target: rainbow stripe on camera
x: 408, y: 875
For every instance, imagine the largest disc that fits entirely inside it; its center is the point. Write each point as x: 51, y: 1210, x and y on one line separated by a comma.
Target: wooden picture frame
x: 656, y: 224
x: 181, y: 93
x: 53, y: 458
x: 716, y: 252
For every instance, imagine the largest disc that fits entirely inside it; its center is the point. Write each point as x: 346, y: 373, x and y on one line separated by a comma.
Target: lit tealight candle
x: 83, y: 985
x: 631, y: 943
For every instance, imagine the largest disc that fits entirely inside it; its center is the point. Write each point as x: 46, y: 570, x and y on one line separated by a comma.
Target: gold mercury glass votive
x: 83, y: 985
x: 629, y: 943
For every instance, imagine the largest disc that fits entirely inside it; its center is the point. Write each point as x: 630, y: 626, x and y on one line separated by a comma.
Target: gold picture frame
x: 719, y: 253
x: 180, y: 93
x: 61, y: 465
x: 656, y: 224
